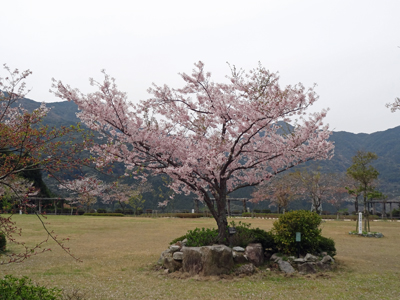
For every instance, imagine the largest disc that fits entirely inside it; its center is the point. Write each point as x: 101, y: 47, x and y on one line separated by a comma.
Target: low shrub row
x: 104, y: 214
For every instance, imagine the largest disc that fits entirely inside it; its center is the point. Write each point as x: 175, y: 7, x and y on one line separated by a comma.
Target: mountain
x: 386, y: 144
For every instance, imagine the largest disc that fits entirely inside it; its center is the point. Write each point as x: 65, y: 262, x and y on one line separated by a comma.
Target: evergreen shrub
x: 101, y: 210
x: 305, y: 222
x: 12, y: 288
x: 326, y: 245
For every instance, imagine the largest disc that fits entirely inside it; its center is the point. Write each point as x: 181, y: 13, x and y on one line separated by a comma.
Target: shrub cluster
x: 305, y: 222
x: 281, y: 238
x: 12, y: 288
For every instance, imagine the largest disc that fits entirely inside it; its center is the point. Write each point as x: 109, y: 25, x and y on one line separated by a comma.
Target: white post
x: 359, y: 223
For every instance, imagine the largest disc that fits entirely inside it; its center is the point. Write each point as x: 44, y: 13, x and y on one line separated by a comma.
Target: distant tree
x: 319, y: 187
x: 87, y: 190
x: 210, y: 138
x: 366, y: 175
x: 126, y: 194
x: 137, y: 203
x: 279, y: 191
x: 339, y: 194
x: 353, y: 189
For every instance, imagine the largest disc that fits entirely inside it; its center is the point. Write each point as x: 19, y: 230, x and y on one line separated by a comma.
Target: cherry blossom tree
x: 280, y: 191
x: 127, y: 194
x: 87, y: 189
x: 395, y: 105
x: 210, y: 138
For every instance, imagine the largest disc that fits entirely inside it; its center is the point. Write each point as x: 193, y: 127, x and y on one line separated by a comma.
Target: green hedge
x: 260, y: 215
x: 104, y: 214
x: 326, y: 217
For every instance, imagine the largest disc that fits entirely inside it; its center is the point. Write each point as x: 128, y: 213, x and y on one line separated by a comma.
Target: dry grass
x: 119, y: 255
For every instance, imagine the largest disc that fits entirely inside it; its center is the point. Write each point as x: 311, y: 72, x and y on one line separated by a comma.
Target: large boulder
x: 192, y: 260
x: 255, y: 254
x: 207, y: 260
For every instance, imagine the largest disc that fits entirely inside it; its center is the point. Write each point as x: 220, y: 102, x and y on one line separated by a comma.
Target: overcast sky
x: 350, y: 49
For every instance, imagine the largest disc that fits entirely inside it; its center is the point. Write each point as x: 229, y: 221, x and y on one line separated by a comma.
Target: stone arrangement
x: 220, y: 259
x: 368, y: 234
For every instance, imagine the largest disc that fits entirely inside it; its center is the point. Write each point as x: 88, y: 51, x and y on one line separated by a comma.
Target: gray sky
x: 349, y: 48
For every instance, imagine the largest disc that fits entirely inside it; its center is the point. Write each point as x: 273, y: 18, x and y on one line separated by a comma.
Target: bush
x: 326, y: 245
x: 81, y: 212
x: 203, y: 237
x: 3, y: 242
x: 302, y: 221
x: 12, y: 288
x: 266, y: 211
x: 243, y: 235
x: 101, y: 211
x: 265, y: 238
x: 118, y: 211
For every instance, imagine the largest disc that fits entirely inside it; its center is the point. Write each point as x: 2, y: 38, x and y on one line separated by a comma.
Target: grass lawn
x: 119, y: 255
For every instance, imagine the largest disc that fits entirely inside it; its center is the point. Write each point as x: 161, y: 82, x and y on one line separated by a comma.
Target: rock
x: 238, y: 249
x: 378, y: 235
x: 291, y: 259
x: 307, y: 268
x: 286, y: 267
x: 310, y: 257
x: 207, y: 260
x: 246, y: 269
x: 299, y: 260
x: 171, y: 264
x: 275, y: 258
x: 255, y: 254
x: 323, y: 267
x: 239, y: 258
x: 162, y: 256
x: 178, y: 255
x: 174, y: 248
x: 192, y: 260
x: 217, y: 260
x: 184, y: 242
x: 327, y: 260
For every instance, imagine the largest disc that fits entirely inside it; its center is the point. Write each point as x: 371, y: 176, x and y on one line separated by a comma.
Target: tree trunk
x: 219, y: 214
